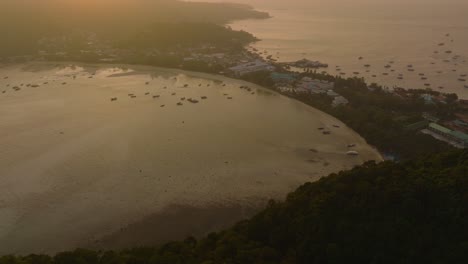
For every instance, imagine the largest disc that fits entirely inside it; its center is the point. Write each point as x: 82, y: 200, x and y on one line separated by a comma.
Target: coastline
x: 136, y: 133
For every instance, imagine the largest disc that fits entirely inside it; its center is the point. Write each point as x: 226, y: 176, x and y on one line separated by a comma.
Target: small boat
x: 204, y: 97
x: 337, y: 126
x: 360, y: 58
x: 182, y: 99
x: 462, y: 80
x: 367, y: 65
x: 427, y: 84
x: 179, y: 104
x: 162, y: 105
x: 351, y: 145
x: 229, y: 98
x: 147, y: 83
x: 326, y: 132
x: 173, y: 94
x: 147, y: 93
x: 385, y: 73
x: 448, y: 52
x: 387, y: 66
x: 156, y: 96
x: 466, y: 86
x: 321, y: 128
x: 113, y: 99
x: 421, y: 74
x: 352, y: 153
x: 356, y: 73
x: 423, y: 78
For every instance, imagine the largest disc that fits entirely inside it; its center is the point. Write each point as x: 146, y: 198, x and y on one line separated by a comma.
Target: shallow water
x: 338, y: 32
x: 76, y: 166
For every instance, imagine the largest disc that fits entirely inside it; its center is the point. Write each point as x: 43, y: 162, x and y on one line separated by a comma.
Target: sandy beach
x: 88, y: 152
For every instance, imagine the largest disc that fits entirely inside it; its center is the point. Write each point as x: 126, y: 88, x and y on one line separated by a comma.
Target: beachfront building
x: 251, y: 67
x: 316, y: 86
x: 455, y: 138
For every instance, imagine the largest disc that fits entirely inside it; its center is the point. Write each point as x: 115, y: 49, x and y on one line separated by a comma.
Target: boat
x: 204, y: 97
x: 156, y: 96
x: 466, y: 86
x: 179, y: 104
x: 462, y: 80
x: 351, y: 145
x: 352, y: 153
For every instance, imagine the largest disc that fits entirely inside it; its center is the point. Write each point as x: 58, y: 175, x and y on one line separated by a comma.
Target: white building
x: 339, y: 100
x: 316, y: 86
x: 251, y: 67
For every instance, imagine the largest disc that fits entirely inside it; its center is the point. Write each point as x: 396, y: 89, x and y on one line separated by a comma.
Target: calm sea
x: 430, y: 35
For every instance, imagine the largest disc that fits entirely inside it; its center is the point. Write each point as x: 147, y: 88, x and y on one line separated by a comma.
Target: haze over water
x: 338, y: 32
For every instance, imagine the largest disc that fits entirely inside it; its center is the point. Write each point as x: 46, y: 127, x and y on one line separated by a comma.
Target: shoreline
x: 269, y: 165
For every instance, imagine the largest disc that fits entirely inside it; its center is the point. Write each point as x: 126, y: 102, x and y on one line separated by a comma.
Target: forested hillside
x: 412, y: 212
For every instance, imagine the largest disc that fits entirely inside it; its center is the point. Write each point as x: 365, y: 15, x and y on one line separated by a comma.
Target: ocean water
x: 77, y: 167
x: 338, y: 32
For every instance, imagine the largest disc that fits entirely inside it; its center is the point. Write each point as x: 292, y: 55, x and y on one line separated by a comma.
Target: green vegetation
x: 27, y: 22
x: 410, y: 212
x: 164, y: 36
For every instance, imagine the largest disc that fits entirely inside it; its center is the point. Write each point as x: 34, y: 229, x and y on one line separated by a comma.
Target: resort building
x: 455, y: 138
x: 316, y: 86
x: 339, y: 100
x: 251, y: 67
